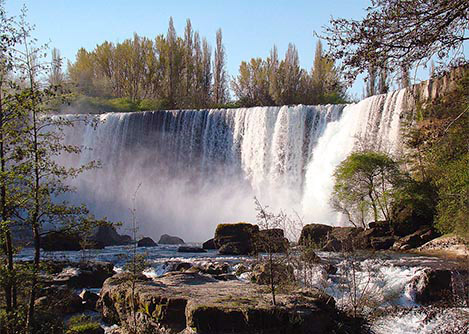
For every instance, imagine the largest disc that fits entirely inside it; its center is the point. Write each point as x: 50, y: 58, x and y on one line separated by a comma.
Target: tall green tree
x: 10, y: 137
x: 220, y: 80
x: 43, y: 178
x: 365, y: 181
x: 326, y: 82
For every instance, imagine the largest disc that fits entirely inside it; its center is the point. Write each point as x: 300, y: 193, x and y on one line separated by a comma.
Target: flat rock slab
x: 184, y: 300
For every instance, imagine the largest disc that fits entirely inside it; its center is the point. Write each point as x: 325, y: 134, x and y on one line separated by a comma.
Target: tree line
x: 172, y: 72
x: 278, y: 82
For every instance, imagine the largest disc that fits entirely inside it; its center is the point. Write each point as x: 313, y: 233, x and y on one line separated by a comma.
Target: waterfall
x: 198, y: 168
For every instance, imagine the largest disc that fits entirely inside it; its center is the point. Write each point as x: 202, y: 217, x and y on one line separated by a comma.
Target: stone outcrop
x: 101, y: 237
x: 108, y: 236
x: 166, y: 239
x: 188, y: 249
x: 416, y: 239
x: 271, y: 240
x: 209, y: 244
x: 431, y: 285
x: 146, y: 242
x: 343, y: 239
x: 84, y: 275
x: 181, y: 301
x: 60, y: 241
x: 314, y: 234
x: 236, y: 239
x: 281, y: 273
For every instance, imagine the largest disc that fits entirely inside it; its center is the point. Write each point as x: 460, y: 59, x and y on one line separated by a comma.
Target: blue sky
x: 250, y: 27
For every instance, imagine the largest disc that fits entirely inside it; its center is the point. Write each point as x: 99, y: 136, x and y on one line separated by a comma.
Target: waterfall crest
x: 201, y: 167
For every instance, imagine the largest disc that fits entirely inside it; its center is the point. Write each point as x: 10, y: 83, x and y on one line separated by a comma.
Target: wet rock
x: 314, y: 235
x: 187, y: 249
x: 271, y: 240
x: 85, y: 275
x: 225, y: 277
x: 236, y: 239
x: 416, y: 239
x: 332, y: 245
x: 213, y: 268
x: 382, y: 243
x: 60, y: 241
x: 166, y: 239
x: 59, y: 300
x: 108, y: 236
x: 241, y: 269
x: 350, y: 238
x: 182, y: 266
x: 431, y: 285
x: 89, y: 299
x: 146, y: 242
x: 209, y: 244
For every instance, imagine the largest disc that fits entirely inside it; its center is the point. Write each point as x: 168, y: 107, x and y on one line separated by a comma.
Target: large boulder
x: 146, y: 242
x: 166, y: 239
x: 108, y: 236
x: 85, y: 275
x: 314, y: 235
x: 181, y: 300
x: 60, y: 241
x: 271, y: 240
x: 344, y: 239
x: 430, y: 285
x: 408, y: 218
x: 416, y: 239
x: 236, y: 239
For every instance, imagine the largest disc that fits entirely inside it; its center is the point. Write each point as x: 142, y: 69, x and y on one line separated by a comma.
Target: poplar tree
x: 220, y: 85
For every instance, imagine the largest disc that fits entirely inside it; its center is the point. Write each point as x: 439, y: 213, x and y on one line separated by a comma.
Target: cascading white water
x: 199, y: 168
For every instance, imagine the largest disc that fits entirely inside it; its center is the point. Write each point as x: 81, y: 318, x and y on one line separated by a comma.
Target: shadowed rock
x: 146, y: 242
x: 166, y: 239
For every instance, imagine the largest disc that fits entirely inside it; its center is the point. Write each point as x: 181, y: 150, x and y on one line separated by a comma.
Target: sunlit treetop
x: 399, y: 34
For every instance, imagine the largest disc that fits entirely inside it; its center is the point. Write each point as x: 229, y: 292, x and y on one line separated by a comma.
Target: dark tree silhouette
x: 398, y: 34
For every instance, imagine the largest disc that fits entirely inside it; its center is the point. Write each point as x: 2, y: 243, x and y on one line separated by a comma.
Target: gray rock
x: 431, y: 285
x: 187, y: 249
x: 166, y: 239
x: 209, y: 244
x: 146, y: 242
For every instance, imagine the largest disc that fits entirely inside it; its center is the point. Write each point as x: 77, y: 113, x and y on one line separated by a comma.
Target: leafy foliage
x: 439, y: 142
x: 167, y: 72
x: 363, y: 182
x: 273, y: 82
x: 397, y: 34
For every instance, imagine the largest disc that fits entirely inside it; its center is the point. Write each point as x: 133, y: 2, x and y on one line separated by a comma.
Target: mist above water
x: 200, y: 168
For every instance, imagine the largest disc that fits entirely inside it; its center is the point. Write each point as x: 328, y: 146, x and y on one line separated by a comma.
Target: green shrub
x: 152, y: 104
x: 82, y: 324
